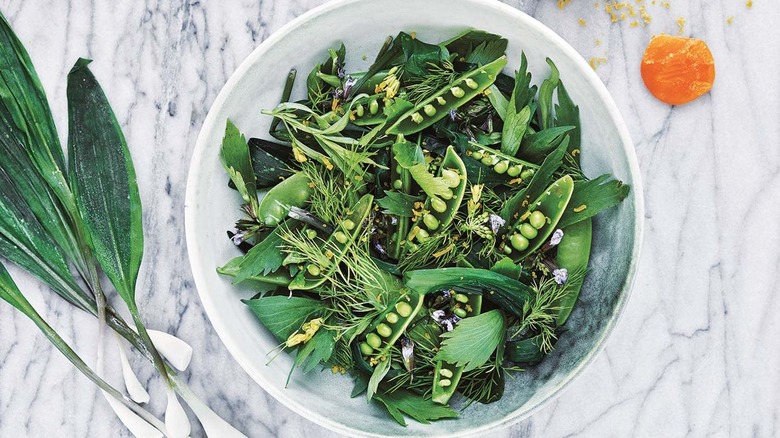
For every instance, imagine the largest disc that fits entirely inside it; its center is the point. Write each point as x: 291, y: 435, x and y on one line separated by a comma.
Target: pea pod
x: 338, y: 243
x: 573, y: 254
x: 527, y: 350
x: 501, y: 163
x: 552, y: 203
x: 500, y: 289
x: 369, y: 110
x: 292, y: 192
x: 401, y: 180
x: 389, y: 326
x: 442, y: 211
x: 462, y: 90
x: 448, y: 373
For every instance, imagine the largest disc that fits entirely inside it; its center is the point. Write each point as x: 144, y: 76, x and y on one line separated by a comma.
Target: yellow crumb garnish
x: 681, y: 25
x: 730, y: 20
x: 595, y: 62
x: 749, y: 4
x: 634, y: 23
x: 580, y: 208
x: 582, y: 22
x: 562, y: 3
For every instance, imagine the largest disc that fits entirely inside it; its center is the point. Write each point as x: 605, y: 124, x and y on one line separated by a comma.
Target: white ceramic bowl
x: 211, y: 207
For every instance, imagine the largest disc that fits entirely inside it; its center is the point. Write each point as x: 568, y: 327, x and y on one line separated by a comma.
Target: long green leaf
x: 421, y: 409
x: 282, y: 316
x: 103, y: 179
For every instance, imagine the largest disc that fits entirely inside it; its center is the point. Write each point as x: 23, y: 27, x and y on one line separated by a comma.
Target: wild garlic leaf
x: 515, y: 127
x: 523, y: 92
x: 499, y: 102
x: 282, y: 315
x: 419, y: 56
x: 591, y: 197
x: 380, y: 371
x: 236, y: 159
x: 103, y: 179
x: 568, y: 114
x: 420, y: 409
x: 398, y: 203
x: 546, y: 96
x: 410, y: 157
x: 477, y: 47
x: 473, y: 340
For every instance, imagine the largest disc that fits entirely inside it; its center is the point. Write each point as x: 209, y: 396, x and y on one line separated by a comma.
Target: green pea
x: 359, y: 110
x: 403, y: 308
x: 349, y: 224
x: 447, y: 195
x: 438, y: 205
x: 471, y: 83
x: 477, y: 155
x: 462, y: 298
x: 460, y: 312
x: 366, y: 349
x: 451, y: 178
x: 341, y: 237
x: 446, y: 373
x: 430, y: 221
x: 314, y: 270
x: 422, y: 235
x: 417, y: 118
x: 429, y: 109
x: 373, y: 107
x: 392, y: 317
x: 487, y: 159
x: 527, y: 173
x: 398, y: 169
x: 501, y: 167
x: 374, y: 340
x: 537, y: 219
x: 514, y: 170
x: 440, y: 100
x: 519, y: 242
x: 506, y: 249
x: 311, y: 234
x: 445, y: 383
x: 528, y: 231
x: 384, y: 330
x: 398, y: 184
x: 457, y: 92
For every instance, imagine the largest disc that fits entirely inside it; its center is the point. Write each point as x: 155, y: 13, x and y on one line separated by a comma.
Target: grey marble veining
x: 696, y: 352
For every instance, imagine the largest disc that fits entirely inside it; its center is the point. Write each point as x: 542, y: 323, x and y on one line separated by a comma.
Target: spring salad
x: 423, y: 226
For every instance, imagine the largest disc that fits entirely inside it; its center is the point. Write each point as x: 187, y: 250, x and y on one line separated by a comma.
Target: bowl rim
x: 210, y: 305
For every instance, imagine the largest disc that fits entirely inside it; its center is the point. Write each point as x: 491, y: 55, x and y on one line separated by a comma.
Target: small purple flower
x: 238, y: 238
x: 348, y: 84
x: 407, y: 352
x: 453, y: 115
x: 561, y: 275
x: 496, y: 222
x: 556, y: 237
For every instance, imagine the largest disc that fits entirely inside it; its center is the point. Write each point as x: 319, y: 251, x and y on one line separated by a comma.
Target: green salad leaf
x: 422, y: 410
x: 398, y: 203
x: 283, y: 315
x: 473, y: 340
x: 592, y: 196
x: 410, y: 157
x: 237, y: 161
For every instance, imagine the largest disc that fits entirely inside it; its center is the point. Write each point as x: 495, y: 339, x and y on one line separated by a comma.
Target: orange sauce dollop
x: 677, y: 70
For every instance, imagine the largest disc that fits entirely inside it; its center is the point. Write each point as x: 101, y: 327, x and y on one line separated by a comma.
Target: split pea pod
x: 552, y: 204
x: 573, y: 255
x: 369, y: 110
x: 446, y: 376
x: 401, y: 180
x: 528, y: 350
x: 389, y: 326
x: 347, y: 232
x: 275, y: 205
x: 436, y: 107
x: 439, y: 212
x: 501, y: 163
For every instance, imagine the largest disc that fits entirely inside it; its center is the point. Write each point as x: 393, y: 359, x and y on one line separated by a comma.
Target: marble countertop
x: 697, y: 350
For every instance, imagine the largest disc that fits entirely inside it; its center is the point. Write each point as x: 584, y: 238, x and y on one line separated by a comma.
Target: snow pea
x: 552, y: 203
x: 292, y: 192
x: 500, y: 162
x: 369, y: 110
x: 446, y: 376
x: 573, y: 254
x: 338, y: 243
x: 434, y: 108
x: 389, y: 326
x: 527, y: 350
x: 399, y: 177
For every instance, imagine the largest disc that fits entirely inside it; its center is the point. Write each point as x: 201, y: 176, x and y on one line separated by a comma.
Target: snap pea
x: 552, y: 203
x: 390, y: 325
x: 369, y: 110
x: 453, y: 171
x: 404, y: 179
x: 499, y: 161
x: 306, y: 279
x: 573, y: 254
x: 449, y: 97
x: 527, y: 350
x: 275, y: 205
x: 449, y: 373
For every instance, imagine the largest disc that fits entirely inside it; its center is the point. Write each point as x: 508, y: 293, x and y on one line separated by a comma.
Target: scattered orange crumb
x: 595, y: 62
x: 749, y: 4
x: 677, y: 70
x: 680, y: 25
x: 730, y: 20
x: 582, y: 22
x: 562, y: 3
